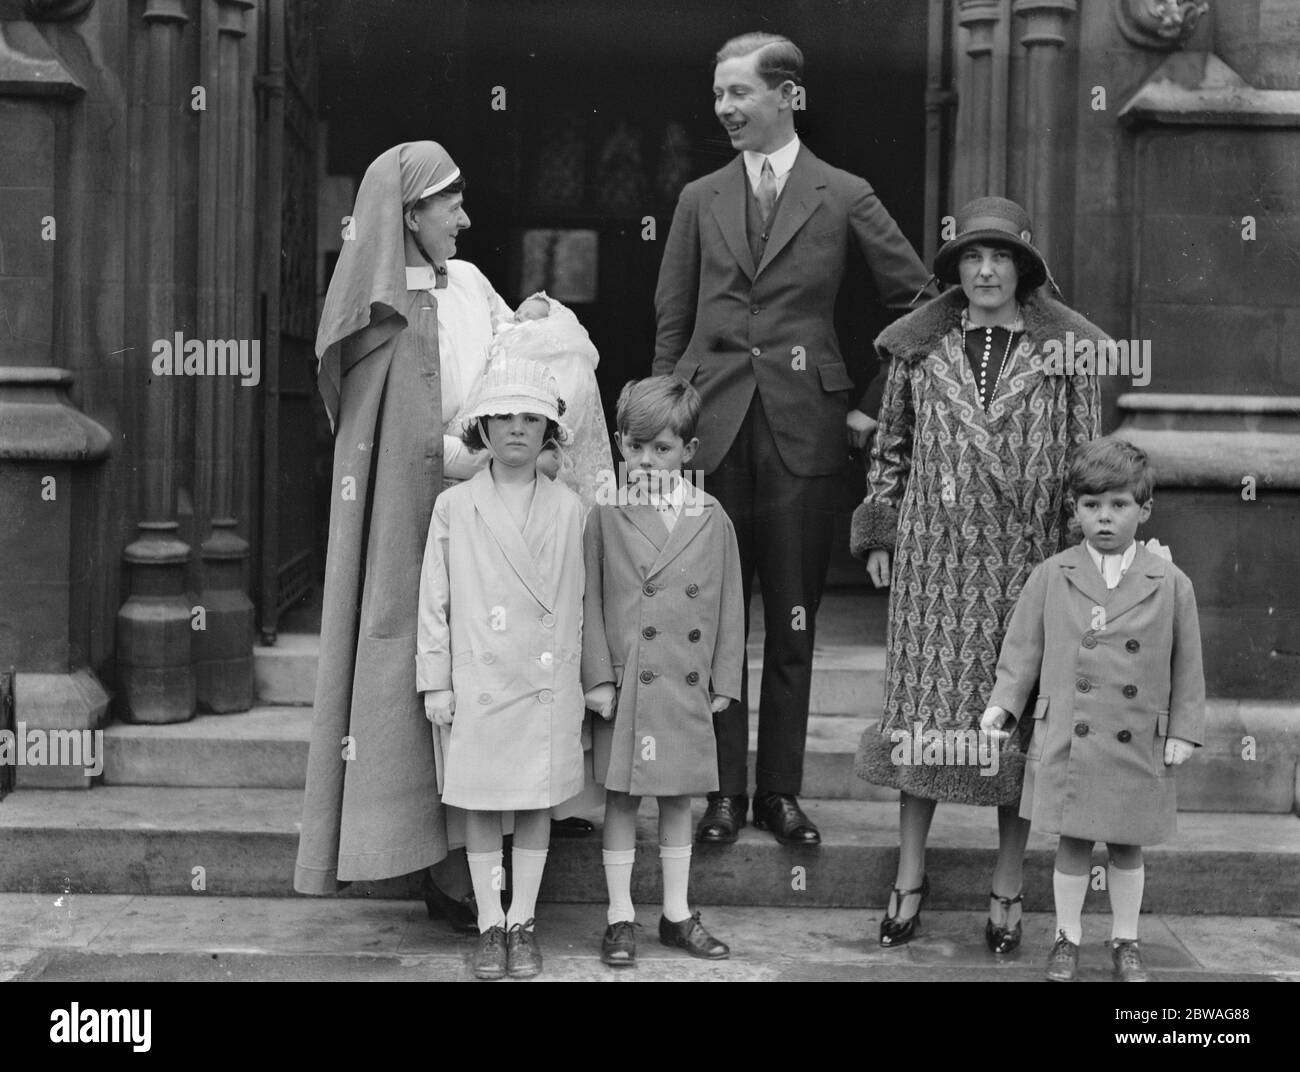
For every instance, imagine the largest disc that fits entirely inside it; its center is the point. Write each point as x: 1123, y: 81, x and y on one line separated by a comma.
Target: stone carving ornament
x: 1159, y: 24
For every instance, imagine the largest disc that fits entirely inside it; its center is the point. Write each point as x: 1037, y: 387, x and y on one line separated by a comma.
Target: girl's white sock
x: 675, y: 860
x: 618, y: 880
x: 1070, y: 892
x: 488, y: 876
x: 527, y: 866
x: 1125, y: 900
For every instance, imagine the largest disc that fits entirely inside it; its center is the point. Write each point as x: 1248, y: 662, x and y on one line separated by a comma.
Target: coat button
x: 488, y: 657
x: 1089, y: 641
x: 1083, y: 684
x: 548, y: 621
x: 693, y: 678
x: 1130, y: 691
x: 756, y: 351
x: 647, y: 676
x: 546, y: 696
x: 1081, y: 729
x: 1131, y: 645
x: 648, y: 589
x: 692, y: 590
x: 1124, y: 736
x: 484, y: 697
x: 754, y: 309
x: 546, y: 658
x: 649, y: 632
x: 693, y: 636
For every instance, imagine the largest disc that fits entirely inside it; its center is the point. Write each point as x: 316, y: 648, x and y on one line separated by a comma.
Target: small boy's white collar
x: 1113, y: 567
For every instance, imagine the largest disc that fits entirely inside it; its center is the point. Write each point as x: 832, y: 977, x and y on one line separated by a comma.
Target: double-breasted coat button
x: 1124, y: 736
x: 546, y: 658
x: 648, y: 588
x: 488, y: 657
x: 546, y: 696
x: 692, y: 678
x: 1130, y: 691
x: 1089, y: 641
x: 1131, y: 645
x: 1081, y: 729
x: 647, y: 676
x: 1083, y: 684
x: 756, y: 351
x: 548, y: 621
x: 692, y: 590
x: 693, y: 636
x: 649, y: 632
x: 485, y: 697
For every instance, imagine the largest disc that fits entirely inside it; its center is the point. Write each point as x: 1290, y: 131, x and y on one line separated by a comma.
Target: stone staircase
x: 223, y: 793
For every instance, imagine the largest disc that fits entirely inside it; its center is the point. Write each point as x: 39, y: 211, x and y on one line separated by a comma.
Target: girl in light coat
x: 499, y: 648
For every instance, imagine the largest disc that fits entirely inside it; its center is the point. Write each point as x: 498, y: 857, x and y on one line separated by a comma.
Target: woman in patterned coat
x: 965, y: 496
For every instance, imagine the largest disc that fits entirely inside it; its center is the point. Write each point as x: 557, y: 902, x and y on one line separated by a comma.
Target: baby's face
x: 533, y: 309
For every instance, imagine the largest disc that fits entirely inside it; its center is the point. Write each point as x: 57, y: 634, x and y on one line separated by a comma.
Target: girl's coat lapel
x: 523, y: 551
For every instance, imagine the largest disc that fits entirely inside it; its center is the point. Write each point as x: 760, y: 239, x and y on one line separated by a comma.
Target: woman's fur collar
x: 917, y: 334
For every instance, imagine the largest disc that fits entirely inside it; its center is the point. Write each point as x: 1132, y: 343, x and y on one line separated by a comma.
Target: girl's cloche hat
x: 998, y: 221
x: 517, y: 385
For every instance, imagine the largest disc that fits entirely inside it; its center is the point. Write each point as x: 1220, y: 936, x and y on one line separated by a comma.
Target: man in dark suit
x: 745, y: 304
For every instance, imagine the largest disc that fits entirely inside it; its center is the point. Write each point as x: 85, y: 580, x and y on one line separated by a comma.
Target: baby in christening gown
x: 545, y: 330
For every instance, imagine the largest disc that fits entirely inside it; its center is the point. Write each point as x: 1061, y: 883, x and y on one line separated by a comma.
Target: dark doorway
x: 607, y: 113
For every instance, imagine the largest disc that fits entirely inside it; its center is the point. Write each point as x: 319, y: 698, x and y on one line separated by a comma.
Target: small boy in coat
x: 662, y: 649
x: 1110, y: 632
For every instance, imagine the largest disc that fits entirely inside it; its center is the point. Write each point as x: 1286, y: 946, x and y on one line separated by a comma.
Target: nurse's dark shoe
x: 573, y: 827
x: 462, y: 914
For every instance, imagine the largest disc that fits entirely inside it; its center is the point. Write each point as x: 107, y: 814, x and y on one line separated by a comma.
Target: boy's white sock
x: 527, y: 866
x: 1125, y: 900
x: 488, y: 877
x: 618, y: 880
x: 1070, y: 892
x: 675, y: 860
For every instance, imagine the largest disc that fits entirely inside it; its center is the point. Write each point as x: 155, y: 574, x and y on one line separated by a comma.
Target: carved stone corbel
x: 1159, y: 24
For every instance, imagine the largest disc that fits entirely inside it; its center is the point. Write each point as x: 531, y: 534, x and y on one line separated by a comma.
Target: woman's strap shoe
x: 690, y: 935
x: 461, y: 914
x: 998, y: 936
x: 895, y: 931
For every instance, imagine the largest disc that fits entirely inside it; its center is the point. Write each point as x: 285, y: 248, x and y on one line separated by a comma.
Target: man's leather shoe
x: 690, y: 935
x: 722, y: 819
x: 781, y: 814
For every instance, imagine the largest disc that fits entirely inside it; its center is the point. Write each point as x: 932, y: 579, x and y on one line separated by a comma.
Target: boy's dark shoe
x: 489, y: 959
x: 781, y: 814
x: 523, y: 956
x: 690, y: 935
x: 1127, y: 958
x: 722, y: 820
x: 618, y: 947
x: 1063, y: 961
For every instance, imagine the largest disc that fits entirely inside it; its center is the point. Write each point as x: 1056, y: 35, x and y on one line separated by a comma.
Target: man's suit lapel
x: 799, y: 200
x: 729, y: 211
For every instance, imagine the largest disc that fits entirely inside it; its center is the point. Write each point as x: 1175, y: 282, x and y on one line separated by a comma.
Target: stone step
x: 847, y: 679
x: 138, y: 840
x: 266, y: 748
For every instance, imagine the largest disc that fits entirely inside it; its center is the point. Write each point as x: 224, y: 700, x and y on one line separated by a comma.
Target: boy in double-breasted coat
x: 1109, y: 631
x: 662, y: 649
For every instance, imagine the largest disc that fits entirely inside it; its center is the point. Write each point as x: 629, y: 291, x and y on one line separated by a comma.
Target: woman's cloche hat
x: 517, y: 385
x: 998, y: 221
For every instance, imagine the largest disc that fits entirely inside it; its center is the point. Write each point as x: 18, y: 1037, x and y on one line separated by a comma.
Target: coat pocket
x: 835, y: 377
x: 1162, y: 732
x: 1040, y: 727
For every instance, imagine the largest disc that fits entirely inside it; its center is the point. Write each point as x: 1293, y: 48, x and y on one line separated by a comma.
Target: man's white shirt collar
x: 782, y: 162
x: 421, y: 277
x: 1113, y: 567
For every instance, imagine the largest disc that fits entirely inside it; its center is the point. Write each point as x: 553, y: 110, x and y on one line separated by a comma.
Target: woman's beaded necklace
x: 1016, y: 326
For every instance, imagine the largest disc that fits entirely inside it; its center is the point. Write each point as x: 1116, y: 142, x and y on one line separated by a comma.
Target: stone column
x: 223, y: 648
x: 975, y: 118
x: 153, y: 626
x: 1043, y: 37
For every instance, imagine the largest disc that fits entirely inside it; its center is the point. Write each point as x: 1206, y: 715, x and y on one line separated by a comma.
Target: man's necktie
x: 766, y: 192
